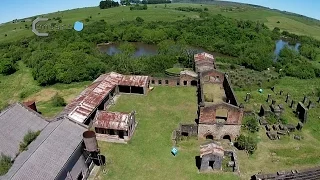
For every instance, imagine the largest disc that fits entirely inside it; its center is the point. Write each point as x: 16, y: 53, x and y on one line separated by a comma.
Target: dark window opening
x: 227, y: 137
x: 194, y: 83
x: 124, y: 89
x: 159, y: 82
x: 152, y: 81
x: 218, y: 77
x: 80, y: 176
x: 209, y: 137
x: 137, y: 90
x: 211, y: 163
x: 185, y: 83
x: 184, y: 134
x: 111, y: 132
x: 121, y: 134
x: 167, y: 82
x: 178, y: 83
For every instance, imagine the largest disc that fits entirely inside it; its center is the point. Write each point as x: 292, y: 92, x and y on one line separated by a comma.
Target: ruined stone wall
x: 191, y: 129
x: 218, y: 131
x: 213, y: 76
x: 208, y: 114
x: 183, y: 80
x: 229, y: 92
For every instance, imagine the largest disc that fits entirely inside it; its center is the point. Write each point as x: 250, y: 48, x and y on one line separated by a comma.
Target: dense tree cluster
x: 68, y: 56
x: 108, y: 4
x: 139, y: 7
x: 246, y: 142
x: 188, y: 9
x: 156, y: 1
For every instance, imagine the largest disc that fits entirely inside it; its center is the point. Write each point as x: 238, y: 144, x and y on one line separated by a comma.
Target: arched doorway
x: 209, y: 136
x: 194, y: 83
x: 227, y: 137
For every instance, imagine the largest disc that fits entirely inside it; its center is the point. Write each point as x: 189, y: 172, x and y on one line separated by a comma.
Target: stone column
x: 292, y: 103
x: 304, y: 99
x: 247, y: 97
x: 287, y: 98
x: 269, y: 97
x: 309, y: 105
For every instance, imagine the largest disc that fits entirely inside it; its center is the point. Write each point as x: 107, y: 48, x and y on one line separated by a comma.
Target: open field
x: 159, y: 12
x: 147, y: 155
x: 20, y: 86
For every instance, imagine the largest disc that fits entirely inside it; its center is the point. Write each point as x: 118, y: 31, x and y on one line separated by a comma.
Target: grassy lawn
x: 21, y: 87
x: 147, y: 155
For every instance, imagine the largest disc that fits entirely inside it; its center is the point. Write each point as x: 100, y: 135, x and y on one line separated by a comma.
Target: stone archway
x: 226, y: 136
x: 209, y: 136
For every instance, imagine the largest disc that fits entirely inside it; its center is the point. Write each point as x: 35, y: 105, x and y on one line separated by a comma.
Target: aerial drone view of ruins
x: 160, y: 89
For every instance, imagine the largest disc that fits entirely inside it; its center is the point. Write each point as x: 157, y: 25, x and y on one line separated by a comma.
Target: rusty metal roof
x: 82, y: 106
x: 203, y: 57
x: 112, y: 120
x: 211, y: 148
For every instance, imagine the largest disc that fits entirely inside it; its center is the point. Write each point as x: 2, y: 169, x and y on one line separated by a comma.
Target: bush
x: 139, y: 19
x: 205, y: 9
x: 283, y: 120
x: 5, y: 164
x: 5, y: 35
x: 87, y: 20
x: 251, y: 124
x: 60, y: 21
x: 27, y: 139
x: 58, y: 101
x: 247, y: 143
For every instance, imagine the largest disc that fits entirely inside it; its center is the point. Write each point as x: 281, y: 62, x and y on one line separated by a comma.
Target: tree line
x: 108, y: 4
x: 68, y: 56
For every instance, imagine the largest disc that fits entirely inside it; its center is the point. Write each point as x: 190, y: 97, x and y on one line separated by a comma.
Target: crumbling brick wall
x: 218, y: 131
x: 212, y: 76
x: 170, y: 81
x: 190, y: 129
x: 208, y: 114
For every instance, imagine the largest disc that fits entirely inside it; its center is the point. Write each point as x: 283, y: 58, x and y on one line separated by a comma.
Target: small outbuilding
x: 211, y: 155
x: 114, y: 126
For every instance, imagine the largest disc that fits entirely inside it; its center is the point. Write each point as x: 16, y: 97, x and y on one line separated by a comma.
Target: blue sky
x: 17, y: 9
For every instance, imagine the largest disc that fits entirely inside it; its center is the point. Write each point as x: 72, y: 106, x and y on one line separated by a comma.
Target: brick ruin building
x: 90, y: 107
x: 219, y: 114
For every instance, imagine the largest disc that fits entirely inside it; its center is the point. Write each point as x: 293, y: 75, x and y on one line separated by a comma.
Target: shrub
x: 87, y: 20
x: 251, y: 124
x: 27, y: 139
x: 283, y: 120
x: 139, y: 19
x: 205, y: 9
x: 247, y: 143
x: 5, y: 164
x: 58, y: 101
x: 5, y: 35
x: 60, y: 21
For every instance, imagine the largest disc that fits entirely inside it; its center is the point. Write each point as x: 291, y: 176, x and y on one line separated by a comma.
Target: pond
x: 280, y: 44
x: 143, y: 49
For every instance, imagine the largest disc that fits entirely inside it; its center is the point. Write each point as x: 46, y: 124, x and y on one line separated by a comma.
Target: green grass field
x: 21, y: 86
x: 159, y: 12
x: 147, y: 155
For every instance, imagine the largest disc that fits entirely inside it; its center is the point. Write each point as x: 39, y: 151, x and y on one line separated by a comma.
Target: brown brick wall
x: 208, y: 114
x: 218, y: 131
x: 172, y: 81
x: 213, y: 76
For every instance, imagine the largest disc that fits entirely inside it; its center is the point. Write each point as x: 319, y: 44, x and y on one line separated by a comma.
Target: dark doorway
x: 209, y: 137
x: 152, y: 81
x: 184, y: 134
x: 124, y: 89
x: 111, y: 132
x: 178, y: 83
x: 80, y: 176
x: 166, y: 81
x: 211, y: 163
x: 121, y: 134
x: 159, y: 82
x: 185, y: 83
x: 227, y: 137
x: 136, y: 90
x: 194, y: 83
x: 198, y: 161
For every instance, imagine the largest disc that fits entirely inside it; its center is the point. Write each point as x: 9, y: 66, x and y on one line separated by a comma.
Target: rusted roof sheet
x: 204, y: 61
x: 211, y: 148
x: 203, y: 57
x: 82, y: 106
x: 112, y: 120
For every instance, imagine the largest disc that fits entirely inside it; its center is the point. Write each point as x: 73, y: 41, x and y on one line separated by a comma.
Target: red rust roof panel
x: 112, y: 120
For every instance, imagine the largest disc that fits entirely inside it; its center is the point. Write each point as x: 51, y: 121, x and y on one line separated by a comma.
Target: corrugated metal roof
x: 204, y: 61
x: 211, y: 148
x: 81, y: 107
x: 112, y: 120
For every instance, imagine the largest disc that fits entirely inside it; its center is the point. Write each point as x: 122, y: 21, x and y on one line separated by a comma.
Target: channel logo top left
x: 78, y: 26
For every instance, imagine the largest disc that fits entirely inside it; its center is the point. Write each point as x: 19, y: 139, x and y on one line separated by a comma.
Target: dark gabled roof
x: 49, y: 152
x: 15, y: 122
